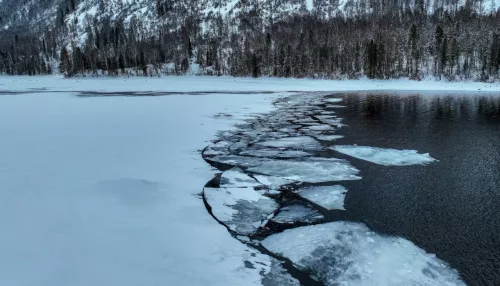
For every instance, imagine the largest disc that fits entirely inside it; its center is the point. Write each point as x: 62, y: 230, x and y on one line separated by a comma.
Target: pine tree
x: 65, y: 62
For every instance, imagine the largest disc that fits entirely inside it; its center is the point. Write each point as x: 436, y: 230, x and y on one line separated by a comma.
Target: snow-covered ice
x: 274, y: 153
x: 385, y: 156
x: 333, y: 100
x: 345, y: 253
x: 236, y: 178
x: 243, y: 210
x: 273, y: 182
x: 329, y: 197
x: 328, y: 137
x: 299, y: 142
x: 104, y: 190
x: 297, y: 213
x: 309, y: 170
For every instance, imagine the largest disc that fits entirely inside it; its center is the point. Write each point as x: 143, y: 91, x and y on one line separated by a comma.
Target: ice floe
x: 243, y: 210
x: 329, y: 197
x: 385, y: 156
x: 333, y: 100
x: 274, y: 153
x: 237, y: 161
x: 328, y: 137
x: 345, y: 253
x: 297, y: 213
x: 299, y: 142
x: 219, y: 148
x: 273, y: 182
x: 236, y: 178
x: 309, y: 170
x: 277, y: 275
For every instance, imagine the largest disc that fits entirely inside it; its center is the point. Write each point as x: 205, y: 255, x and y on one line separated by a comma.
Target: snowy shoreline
x: 39, y: 84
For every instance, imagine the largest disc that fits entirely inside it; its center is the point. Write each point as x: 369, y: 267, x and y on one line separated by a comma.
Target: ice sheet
x: 328, y: 137
x: 310, y: 170
x: 243, y: 210
x: 236, y: 178
x: 329, y: 197
x: 344, y: 253
x: 297, y: 213
x: 385, y: 156
x: 299, y: 142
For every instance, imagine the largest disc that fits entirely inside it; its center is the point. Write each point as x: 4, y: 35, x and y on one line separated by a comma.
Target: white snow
x: 329, y: 197
x: 243, y: 210
x: 221, y: 84
x: 344, y: 253
x: 385, y: 156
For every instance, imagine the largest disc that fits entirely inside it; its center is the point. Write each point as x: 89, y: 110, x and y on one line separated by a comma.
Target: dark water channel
x: 451, y: 208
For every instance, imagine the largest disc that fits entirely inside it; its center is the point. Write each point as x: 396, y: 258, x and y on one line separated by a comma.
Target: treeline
x: 374, y: 39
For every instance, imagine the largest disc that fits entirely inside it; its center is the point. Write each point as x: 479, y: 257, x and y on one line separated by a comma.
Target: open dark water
x: 451, y: 208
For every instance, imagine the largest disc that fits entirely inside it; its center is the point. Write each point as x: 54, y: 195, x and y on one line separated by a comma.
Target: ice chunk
x: 328, y: 137
x: 277, y: 275
x: 274, y: 153
x: 241, y: 209
x: 273, y: 182
x: 297, y: 213
x: 385, y: 156
x: 238, y: 161
x: 333, y: 100
x: 321, y: 128
x: 334, y: 121
x: 345, y: 253
x: 310, y: 170
x: 236, y: 178
x: 299, y: 142
x: 329, y: 197
x: 219, y: 148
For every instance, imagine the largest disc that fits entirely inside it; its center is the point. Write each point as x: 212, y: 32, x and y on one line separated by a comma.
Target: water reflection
x: 451, y: 208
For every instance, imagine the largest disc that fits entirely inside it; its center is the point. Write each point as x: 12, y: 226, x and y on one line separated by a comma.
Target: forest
x: 361, y: 39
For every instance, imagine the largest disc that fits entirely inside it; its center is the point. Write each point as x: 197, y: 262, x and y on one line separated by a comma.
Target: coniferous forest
x: 416, y: 39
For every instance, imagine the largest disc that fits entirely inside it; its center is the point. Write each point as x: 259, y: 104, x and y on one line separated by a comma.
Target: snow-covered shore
x: 220, y: 84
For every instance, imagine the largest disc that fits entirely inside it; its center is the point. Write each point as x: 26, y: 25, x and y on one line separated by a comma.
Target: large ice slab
x: 299, y: 142
x: 273, y: 182
x: 277, y: 275
x: 275, y: 153
x: 328, y: 137
x: 237, y: 161
x: 243, y: 210
x: 329, y: 197
x: 333, y: 100
x: 344, y: 253
x: 236, y: 178
x: 385, y: 156
x: 297, y: 213
x: 219, y: 148
x: 310, y: 170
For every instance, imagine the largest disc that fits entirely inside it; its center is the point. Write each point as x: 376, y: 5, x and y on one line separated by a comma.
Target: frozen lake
x: 101, y: 183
